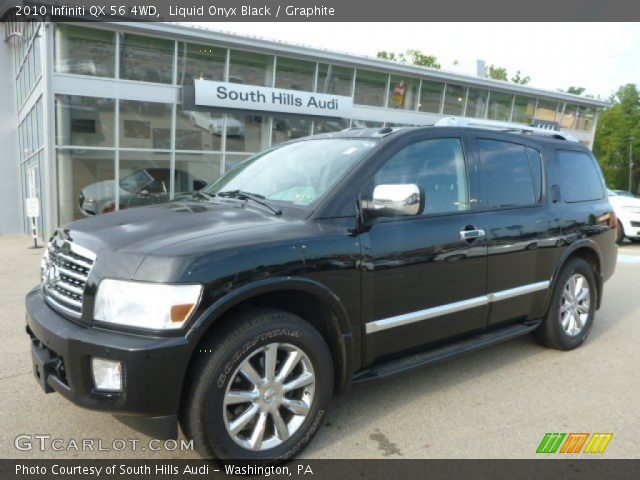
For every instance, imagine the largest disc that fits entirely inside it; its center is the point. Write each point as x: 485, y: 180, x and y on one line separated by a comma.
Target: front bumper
x: 631, y: 225
x: 154, y: 368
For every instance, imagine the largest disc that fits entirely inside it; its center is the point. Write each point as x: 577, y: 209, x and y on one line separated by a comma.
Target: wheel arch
x: 588, y: 251
x: 305, y: 298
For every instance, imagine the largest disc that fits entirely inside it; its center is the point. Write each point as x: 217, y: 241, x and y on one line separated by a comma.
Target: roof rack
x: 504, y: 126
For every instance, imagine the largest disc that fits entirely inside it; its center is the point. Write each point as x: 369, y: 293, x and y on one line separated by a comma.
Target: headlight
x: 145, y: 305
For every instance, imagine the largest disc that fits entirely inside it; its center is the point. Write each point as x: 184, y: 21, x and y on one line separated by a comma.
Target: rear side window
x: 505, y: 174
x: 580, y: 177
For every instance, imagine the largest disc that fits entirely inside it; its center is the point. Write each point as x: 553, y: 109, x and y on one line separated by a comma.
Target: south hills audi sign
x: 251, y: 97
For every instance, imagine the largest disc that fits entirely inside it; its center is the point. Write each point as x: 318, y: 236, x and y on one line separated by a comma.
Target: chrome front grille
x: 64, y: 272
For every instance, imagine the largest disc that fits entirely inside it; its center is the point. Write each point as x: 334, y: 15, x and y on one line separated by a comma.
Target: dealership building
x: 114, y: 115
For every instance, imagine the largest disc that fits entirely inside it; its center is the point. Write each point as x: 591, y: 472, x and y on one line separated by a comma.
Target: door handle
x: 473, y: 234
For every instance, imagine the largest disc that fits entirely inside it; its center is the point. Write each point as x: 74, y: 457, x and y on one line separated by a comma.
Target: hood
x: 143, y: 230
x: 622, y: 201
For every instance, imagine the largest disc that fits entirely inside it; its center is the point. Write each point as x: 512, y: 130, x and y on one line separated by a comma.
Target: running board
x: 444, y: 352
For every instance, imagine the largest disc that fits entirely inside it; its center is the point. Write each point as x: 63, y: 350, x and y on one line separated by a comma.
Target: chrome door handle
x: 474, y: 234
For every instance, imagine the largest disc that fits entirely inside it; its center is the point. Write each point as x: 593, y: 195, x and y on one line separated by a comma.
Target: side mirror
x: 397, y: 200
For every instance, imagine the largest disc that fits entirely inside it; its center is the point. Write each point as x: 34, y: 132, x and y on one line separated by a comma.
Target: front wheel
x: 259, y: 389
x: 619, y: 233
x: 572, y: 307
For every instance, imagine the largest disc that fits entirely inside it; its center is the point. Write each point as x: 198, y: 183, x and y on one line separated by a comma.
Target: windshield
x: 297, y: 173
x: 136, y: 181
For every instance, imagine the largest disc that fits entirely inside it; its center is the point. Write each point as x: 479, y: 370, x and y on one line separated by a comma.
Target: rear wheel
x: 572, y: 308
x: 259, y: 389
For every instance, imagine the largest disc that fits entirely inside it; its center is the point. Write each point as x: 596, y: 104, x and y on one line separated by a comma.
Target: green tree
x: 415, y: 57
x: 575, y: 90
x: 518, y: 78
x: 500, y: 73
x: 618, y: 128
x: 497, y: 73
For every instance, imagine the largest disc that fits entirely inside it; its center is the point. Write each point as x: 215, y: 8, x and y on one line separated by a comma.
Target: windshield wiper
x: 254, y: 197
x: 200, y: 193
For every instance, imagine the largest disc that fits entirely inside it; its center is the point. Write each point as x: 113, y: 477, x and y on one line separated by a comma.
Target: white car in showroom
x: 628, y: 212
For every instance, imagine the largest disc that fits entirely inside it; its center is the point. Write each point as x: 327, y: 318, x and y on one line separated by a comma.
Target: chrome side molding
x: 412, y: 317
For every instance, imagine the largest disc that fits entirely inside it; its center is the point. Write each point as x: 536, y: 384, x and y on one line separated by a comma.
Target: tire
x: 248, y: 337
x: 619, y: 233
x: 634, y: 239
x: 555, y: 331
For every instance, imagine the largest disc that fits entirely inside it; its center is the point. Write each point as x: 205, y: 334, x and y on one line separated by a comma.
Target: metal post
x: 631, y: 139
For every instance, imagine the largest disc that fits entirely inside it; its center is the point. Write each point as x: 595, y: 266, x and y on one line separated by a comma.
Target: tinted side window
x: 505, y: 174
x: 580, y: 177
x: 438, y: 167
x: 535, y: 159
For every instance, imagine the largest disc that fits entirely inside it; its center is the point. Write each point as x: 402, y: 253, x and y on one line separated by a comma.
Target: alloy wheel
x: 269, y: 396
x: 575, y: 304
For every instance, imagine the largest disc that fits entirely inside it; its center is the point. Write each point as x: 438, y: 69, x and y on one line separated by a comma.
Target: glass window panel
x: 85, y: 121
x: 84, y: 51
x: 370, y: 88
x: 477, y: 103
x: 431, y: 96
x: 366, y: 124
x: 334, y: 79
x: 232, y: 160
x: 40, y: 123
x: 295, y: 74
x: 569, y: 116
x: 546, y: 110
x: 581, y: 177
x: 195, y: 170
x: 247, y: 133
x: 200, y: 62
x: 330, y: 125
x: 147, y: 59
x: 454, y: 99
x: 145, y: 178
x: 287, y: 127
x: 505, y: 174
x: 198, y: 130
x: 145, y: 124
x: 251, y: 68
x: 585, y: 118
x: 403, y: 93
x: 500, y: 106
x: 524, y: 109
x: 438, y: 167
x: 37, y: 58
x: 85, y: 183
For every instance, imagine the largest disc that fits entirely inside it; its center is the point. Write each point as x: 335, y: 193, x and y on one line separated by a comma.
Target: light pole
x: 631, y: 139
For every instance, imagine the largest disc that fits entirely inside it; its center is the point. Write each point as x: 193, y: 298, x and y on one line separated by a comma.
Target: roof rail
x: 503, y: 126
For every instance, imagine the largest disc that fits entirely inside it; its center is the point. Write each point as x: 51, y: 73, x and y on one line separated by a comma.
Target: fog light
x: 107, y: 374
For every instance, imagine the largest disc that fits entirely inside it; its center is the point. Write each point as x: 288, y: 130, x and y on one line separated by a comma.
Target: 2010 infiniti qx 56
x: 325, y: 261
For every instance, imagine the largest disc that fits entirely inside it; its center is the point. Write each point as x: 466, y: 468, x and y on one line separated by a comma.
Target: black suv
x: 316, y: 264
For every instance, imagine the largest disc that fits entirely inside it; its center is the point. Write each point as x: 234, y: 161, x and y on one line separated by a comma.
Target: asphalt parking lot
x: 495, y: 403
